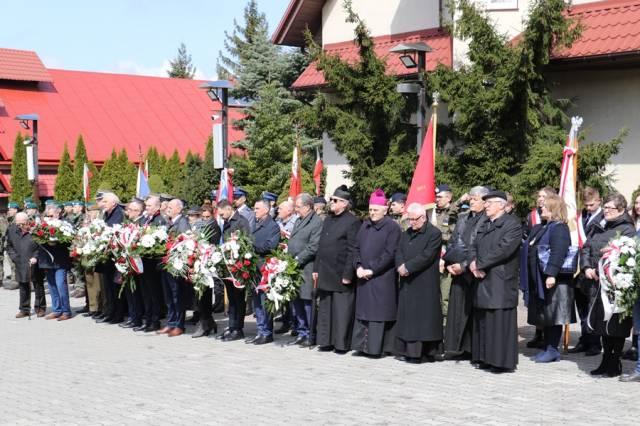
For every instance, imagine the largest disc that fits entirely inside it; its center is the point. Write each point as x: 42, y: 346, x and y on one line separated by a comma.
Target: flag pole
x: 434, y: 119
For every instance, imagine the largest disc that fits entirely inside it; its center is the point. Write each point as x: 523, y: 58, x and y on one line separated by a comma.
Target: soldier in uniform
x: 8, y: 267
x: 446, y: 218
x: 320, y: 206
x: 396, y: 209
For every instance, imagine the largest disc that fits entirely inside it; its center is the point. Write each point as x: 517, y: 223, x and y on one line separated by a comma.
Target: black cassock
x: 419, y: 317
x: 495, y: 318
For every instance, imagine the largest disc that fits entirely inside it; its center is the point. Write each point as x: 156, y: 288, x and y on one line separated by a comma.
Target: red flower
x: 239, y: 264
x: 245, y: 275
x: 52, y: 231
x: 233, y: 269
x: 39, y: 233
x: 246, y: 262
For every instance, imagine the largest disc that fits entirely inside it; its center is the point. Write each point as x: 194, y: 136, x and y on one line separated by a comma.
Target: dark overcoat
x: 236, y: 222
x: 178, y: 225
x: 419, y: 316
x: 496, y: 250
x: 334, y: 260
x: 303, y: 246
x: 21, y: 248
x: 375, y: 249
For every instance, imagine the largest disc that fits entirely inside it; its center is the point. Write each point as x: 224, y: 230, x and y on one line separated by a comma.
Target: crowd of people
x: 421, y: 285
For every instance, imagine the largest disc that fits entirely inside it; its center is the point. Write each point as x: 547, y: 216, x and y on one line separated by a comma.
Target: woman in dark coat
x: 548, y: 294
x: 419, y: 317
x: 614, y: 331
x: 374, y: 260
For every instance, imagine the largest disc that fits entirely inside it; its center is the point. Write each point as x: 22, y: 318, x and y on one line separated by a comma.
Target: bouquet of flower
x: 239, y: 260
x: 52, y: 231
x: 124, y: 251
x: 182, y: 253
x: 619, y: 276
x: 204, y: 271
x: 281, y: 279
x: 153, y: 241
x: 91, y: 244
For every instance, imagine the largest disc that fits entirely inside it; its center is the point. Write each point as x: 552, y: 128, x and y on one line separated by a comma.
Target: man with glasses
x: 495, y: 265
x: 334, y: 270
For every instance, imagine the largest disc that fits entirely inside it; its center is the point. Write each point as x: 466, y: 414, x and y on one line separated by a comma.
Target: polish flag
x: 295, y: 186
x: 568, y: 177
x: 317, y: 172
x: 86, y: 176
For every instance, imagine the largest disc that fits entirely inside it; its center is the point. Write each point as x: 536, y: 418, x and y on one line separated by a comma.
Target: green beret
x: 77, y: 203
x: 31, y: 205
x: 13, y: 205
x: 50, y: 202
x: 67, y: 203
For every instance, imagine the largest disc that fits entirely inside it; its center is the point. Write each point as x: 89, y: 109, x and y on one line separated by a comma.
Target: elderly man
x: 419, y: 319
x: 494, y: 265
x: 151, y: 282
x: 240, y: 203
x: 457, y: 341
x: 334, y: 270
x: 134, y: 297
x: 303, y: 246
x: 174, y: 286
x: 446, y: 217
x: 233, y: 222
x: 55, y: 260
x: 286, y: 218
x: 374, y: 260
x: 23, y: 251
x: 113, y: 214
x: 266, y: 237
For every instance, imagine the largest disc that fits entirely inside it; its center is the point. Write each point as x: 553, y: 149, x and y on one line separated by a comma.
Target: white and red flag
x: 568, y: 181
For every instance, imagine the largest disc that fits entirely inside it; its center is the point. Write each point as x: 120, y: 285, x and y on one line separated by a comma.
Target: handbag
x: 569, y: 264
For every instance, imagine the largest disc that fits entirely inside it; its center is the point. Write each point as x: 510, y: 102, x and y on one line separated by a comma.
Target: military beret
x: 67, y: 203
x: 398, y: 196
x: 30, y: 205
x: 13, y: 205
x: 77, y: 203
x: 27, y: 200
x: 50, y: 202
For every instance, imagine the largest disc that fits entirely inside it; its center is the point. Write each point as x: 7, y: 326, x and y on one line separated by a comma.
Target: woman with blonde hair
x: 548, y: 292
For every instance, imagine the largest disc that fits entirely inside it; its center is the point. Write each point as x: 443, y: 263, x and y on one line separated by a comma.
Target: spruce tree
x: 156, y: 162
x: 20, y: 185
x: 181, y: 66
x: 65, y: 187
x: 108, y: 172
x: 172, y: 173
x: 79, y: 160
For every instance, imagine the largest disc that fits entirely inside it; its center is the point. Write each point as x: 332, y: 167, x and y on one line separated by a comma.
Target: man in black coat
x: 266, y: 237
x: 335, y: 272
x: 495, y: 266
x: 114, y: 306
x: 134, y: 296
x: 23, y: 251
x: 174, y: 286
x: 151, y: 283
x: 233, y: 222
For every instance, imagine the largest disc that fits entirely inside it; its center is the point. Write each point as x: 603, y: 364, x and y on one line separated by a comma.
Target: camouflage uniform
x: 446, y: 219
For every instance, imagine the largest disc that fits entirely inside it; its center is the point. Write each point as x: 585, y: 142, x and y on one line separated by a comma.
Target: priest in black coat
x: 495, y: 267
x: 419, y: 318
x: 335, y: 272
x: 376, y: 292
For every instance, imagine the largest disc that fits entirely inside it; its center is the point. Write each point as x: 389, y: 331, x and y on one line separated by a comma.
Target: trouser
x: 205, y: 308
x: 237, y: 306
x: 40, y: 302
x: 174, y: 297
x: 552, y: 336
x: 94, y: 291
x: 336, y: 312
x: 115, y: 305
x: 582, y: 297
x: 264, y: 319
x: 445, y: 289
x: 9, y: 269
x: 636, y: 328
x: 134, y: 300
x: 301, y: 309
x: 151, y: 288
x: 57, y: 280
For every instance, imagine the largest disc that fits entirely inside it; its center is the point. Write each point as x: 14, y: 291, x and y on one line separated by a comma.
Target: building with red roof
x: 110, y: 111
x: 600, y: 71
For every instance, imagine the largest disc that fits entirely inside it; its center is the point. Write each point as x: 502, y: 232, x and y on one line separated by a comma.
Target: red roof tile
x: 609, y: 27
x: 22, y: 65
x: 438, y: 39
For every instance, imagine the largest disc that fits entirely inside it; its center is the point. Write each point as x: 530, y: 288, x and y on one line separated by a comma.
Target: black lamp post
x: 413, y: 55
x: 218, y: 91
x: 30, y: 121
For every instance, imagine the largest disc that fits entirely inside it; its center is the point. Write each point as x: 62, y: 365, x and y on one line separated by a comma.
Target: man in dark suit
x: 113, y: 214
x: 233, y: 222
x: 134, y: 296
x: 174, y: 286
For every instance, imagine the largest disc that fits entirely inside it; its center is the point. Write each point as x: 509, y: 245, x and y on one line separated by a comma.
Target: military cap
x: 166, y: 197
x: 443, y: 188
x: 30, y: 205
x: 269, y: 196
x: 13, y: 205
x: 398, y: 197
x: 239, y: 192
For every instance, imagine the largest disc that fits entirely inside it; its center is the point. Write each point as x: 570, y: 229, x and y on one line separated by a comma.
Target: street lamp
x: 413, y: 55
x: 31, y: 147
x: 218, y: 91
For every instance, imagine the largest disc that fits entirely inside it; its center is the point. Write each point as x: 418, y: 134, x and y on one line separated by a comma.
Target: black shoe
x: 614, y: 369
x: 125, y: 324
x: 297, y: 341
x: 631, y: 354
x: 580, y: 347
x: 224, y: 334
x: 84, y: 310
x: 593, y: 351
x: 233, y: 335
x: 88, y: 314
x: 325, y: 348
x: 141, y: 327
x: 250, y: 340
x: 261, y: 340
x: 116, y: 320
x: 294, y: 333
x: 98, y: 315
x: 131, y: 324
x: 481, y: 366
x: 411, y: 360
x: 537, y: 342
x: 283, y: 329
x: 152, y: 327
x: 602, y: 368
x: 104, y: 319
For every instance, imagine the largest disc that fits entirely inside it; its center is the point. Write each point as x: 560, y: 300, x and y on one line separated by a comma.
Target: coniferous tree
x: 65, y: 187
x: 172, y: 173
x: 156, y: 162
x: 80, y: 158
x: 20, y: 185
x: 181, y: 66
x: 108, y: 172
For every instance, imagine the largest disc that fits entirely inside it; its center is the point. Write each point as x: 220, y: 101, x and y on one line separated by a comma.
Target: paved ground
x: 79, y: 372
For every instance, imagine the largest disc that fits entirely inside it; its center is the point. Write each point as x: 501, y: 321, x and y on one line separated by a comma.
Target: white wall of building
x: 608, y: 100
x: 382, y: 17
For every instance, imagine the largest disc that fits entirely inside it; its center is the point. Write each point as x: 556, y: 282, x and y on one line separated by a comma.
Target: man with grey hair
x: 494, y: 264
x: 457, y: 341
x: 23, y: 251
x: 286, y: 218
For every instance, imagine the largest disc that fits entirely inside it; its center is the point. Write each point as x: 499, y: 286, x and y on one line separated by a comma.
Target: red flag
x: 423, y: 183
x: 317, y: 172
x: 295, y: 186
